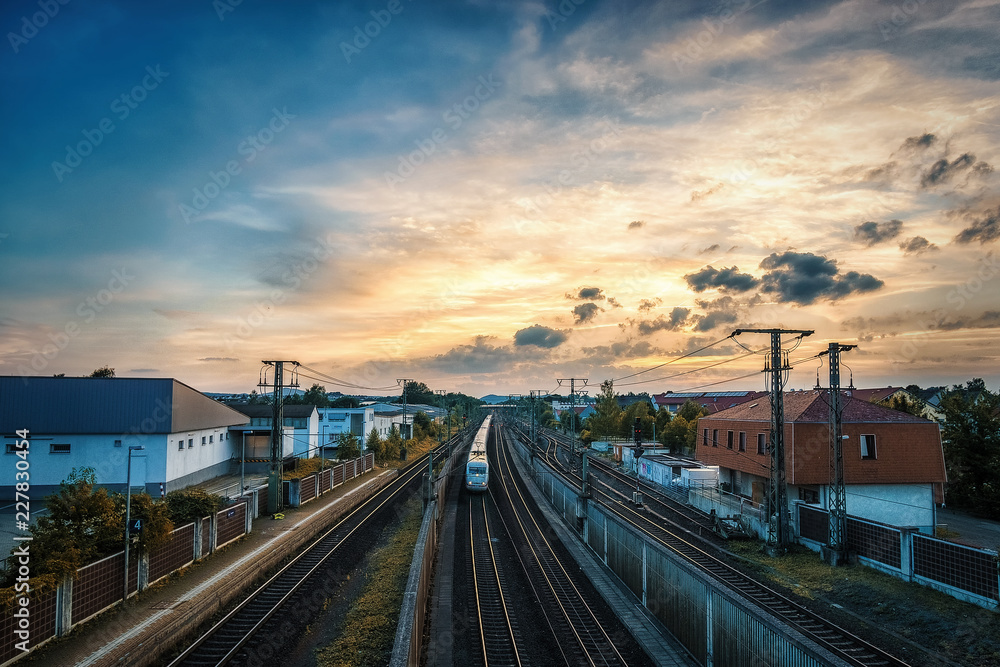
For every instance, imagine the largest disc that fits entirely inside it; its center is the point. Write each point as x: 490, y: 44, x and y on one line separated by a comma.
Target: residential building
x: 334, y: 421
x: 713, y: 401
x: 894, y: 469
x: 94, y: 422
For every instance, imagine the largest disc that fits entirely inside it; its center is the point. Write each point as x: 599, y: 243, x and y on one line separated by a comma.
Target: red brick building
x: 893, y: 462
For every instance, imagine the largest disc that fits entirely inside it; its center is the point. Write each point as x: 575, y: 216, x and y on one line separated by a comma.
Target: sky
x: 491, y: 197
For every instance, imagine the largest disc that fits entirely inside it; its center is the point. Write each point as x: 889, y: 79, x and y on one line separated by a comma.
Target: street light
x: 128, y: 512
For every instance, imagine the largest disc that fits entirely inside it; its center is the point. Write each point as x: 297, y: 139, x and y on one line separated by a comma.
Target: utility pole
x: 778, y: 532
x: 835, y: 553
x: 403, y: 381
x: 535, y: 395
x: 572, y: 402
x: 275, y: 494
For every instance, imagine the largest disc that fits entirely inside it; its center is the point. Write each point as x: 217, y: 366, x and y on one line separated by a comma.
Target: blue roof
x: 61, y: 405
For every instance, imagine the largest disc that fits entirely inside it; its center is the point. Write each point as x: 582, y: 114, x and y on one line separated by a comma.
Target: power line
x: 337, y: 381
x: 683, y: 356
x: 695, y: 370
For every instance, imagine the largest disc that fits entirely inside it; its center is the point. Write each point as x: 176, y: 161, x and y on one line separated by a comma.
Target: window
x: 868, y: 446
x: 180, y: 444
x: 203, y: 440
x: 762, y: 443
x: 56, y: 448
x: 743, y: 441
x: 118, y: 443
x: 211, y: 439
x: 809, y: 495
x: 704, y: 438
x: 321, y: 416
x: 190, y: 443
x: 729, y: 439
x: 715, y: 437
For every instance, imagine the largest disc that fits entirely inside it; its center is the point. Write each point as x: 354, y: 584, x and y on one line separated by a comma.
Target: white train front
x: 477, y: 469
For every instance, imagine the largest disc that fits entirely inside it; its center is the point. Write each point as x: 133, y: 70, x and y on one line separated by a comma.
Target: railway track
x: 568, y: 611
x: 251, y: 629
x: 496, y: 629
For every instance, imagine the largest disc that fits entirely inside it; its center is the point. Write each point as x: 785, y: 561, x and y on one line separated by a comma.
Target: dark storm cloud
x: 943, y: 171
x: 804, y: 277
x: 726, y: 279
x: 588, y: 294
x: 636, y: 224
x: 713, y: 319
x: 919, y: 143
x: 984, y: 228
x: 872, y: 232
x: 677, y: 318
x: 649, y: 304
x: 585, y: 312
x: 539, y: 336
x: 916, y: 246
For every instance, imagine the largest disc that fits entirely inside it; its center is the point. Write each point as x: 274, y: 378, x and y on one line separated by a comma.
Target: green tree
x: 423, y: 427
x: 570, y: 421
x: 156, y: 523
x: 83, y: 523
x: 345, y: 402
x: 393, y: 445
x: 606, y: 420
x: 103, y: 372
x: 903, y: 404
x: 375, y: 445
x: 316, y: 395
x: 348, y: 446
x: 418, y: 392
x: 662, y: 421
x: 692, y: 410
x: 970, y: 433
x: 186, y: 505
x: 644, y: 412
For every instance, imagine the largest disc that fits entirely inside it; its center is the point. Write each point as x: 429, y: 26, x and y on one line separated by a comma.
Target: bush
x: 186, y: 505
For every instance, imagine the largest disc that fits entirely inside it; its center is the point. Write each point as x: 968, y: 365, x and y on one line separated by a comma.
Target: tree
x: 662, y: 421
x: 418, y: 392
x: 375, y: 445
x: 103, y: 372
x: 186, y: 505
x: 642, y: 410
x: 902, y: 404
x: 692, y: 410
x: 156, y: 523
x: 316, y: 395
x: 606, y: 420
x: 345, y: 402
x: 348, y: 446
x: 83, y: 524
x: 393, y: 445
x: 423, y: 427
x: 970, y: 433
x: 570, y: 421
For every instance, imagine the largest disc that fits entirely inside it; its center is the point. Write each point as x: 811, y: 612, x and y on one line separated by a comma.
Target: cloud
x: 804, y: 277
x: 919, y: 143
x: 727, y: 279
x: 588, y: 294
x: 539, y: 336
x: 649, y: 304
x: 710, y: 249
x: 713, y: 319
x: 218, y: 359
x: 943, y: 171
x: 636, y: 224
x: 613, y: 302
x: 480, y: 357
x: 677, y: 318
x: 698, y: 195
x: 585, y: 312
x: 916, y: 246
x: 871, y: 233
x: 983, y: 229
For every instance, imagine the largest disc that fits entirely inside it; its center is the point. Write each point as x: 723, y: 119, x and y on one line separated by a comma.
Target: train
x: 477, y: 468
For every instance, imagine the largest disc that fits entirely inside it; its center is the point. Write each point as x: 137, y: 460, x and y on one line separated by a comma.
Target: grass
x: 370, y: 625
x: 961, y: 632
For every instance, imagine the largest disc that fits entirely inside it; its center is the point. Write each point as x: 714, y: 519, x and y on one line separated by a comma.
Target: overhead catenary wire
x: 694, y: 370
x: 338, y: 382
x: 683, y: 356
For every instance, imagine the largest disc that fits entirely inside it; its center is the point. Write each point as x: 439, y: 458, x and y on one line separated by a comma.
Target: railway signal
x: 637, y: 451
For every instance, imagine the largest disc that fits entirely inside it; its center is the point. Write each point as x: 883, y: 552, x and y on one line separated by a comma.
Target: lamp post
x: 128, y: 512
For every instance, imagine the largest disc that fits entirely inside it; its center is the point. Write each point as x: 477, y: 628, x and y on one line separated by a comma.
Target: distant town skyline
x: 488, y: 197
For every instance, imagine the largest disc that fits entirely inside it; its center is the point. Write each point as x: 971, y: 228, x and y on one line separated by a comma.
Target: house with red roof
x: 894, y: 469
x: 713, y: 401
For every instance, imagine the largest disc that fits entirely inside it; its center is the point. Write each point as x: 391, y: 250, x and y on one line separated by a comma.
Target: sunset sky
x: 489, y: 196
